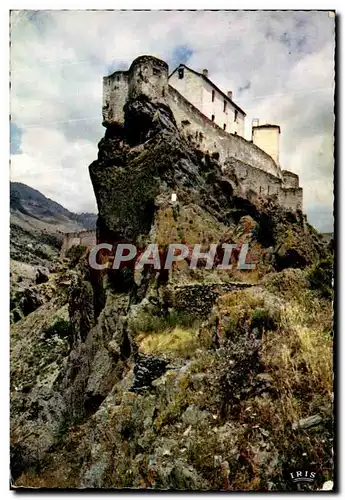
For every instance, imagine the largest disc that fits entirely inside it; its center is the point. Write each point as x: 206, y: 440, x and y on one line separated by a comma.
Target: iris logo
x: 302, y: 476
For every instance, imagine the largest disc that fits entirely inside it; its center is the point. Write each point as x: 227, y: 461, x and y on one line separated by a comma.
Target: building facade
x: 208, y: 98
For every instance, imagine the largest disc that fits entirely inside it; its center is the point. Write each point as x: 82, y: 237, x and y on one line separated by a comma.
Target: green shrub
x: 146, y: 322
x: 75, y: 253
x: 60, y: 328
x: 320, y: 277
x: 263, y: 320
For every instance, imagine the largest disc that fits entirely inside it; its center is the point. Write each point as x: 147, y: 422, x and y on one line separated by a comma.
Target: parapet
x: 290, y: 179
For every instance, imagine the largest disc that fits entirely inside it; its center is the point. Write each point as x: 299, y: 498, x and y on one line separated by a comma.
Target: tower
x: 266, y: 137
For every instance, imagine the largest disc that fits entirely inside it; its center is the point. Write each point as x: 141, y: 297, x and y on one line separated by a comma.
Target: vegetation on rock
x: 120, y: 379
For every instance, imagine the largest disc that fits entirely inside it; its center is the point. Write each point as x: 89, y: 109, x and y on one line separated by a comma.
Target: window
x: 224, y: 126
x: 180, y: 73
x: 224, y: 107
x: 213, y: 95
x: 235, y: 116
x: 212, y: 118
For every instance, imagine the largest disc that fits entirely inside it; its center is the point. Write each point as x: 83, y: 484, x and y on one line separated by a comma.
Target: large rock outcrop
x: 119, y: 385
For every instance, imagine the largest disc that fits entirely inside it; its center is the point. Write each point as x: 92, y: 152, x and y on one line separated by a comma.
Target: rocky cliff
x: 180, y: 379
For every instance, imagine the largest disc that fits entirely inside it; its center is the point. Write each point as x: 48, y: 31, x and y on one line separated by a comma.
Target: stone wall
x: 86, y: 238
x: 199, y: 299
x: 291, y: 198
x: 147, y: 75
x: 255, y: 183
x: 213, y: 139
x: 256, y: 170
x: 291, y: 180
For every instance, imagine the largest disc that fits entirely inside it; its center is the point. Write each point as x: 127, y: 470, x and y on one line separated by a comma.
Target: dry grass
x: 301, y: 362
x: 177, y: 342
x: 296, y: 352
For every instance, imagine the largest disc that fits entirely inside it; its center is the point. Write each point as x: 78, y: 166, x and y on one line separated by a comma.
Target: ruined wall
x: 86, y: 238
x: 225, y: 114
x: 213, y: 139
x: 200, y: 298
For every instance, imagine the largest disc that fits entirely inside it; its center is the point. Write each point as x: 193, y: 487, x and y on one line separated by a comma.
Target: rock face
x: 149, y: 159
x: 196, y: 409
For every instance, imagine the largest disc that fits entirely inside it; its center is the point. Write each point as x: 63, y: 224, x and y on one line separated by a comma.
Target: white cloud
x: 58, y: 58
x: 57, y: 168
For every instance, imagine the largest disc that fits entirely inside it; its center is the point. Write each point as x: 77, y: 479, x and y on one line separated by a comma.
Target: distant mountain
x: 38, y: 223
x: 31, y: 202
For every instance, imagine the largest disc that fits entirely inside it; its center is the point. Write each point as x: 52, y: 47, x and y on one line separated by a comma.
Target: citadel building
x: 212, y: 119
x: 208, y: 116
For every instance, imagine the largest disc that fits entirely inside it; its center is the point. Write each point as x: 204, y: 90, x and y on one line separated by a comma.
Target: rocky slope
x: 181, y: 379
x: 37, y: 222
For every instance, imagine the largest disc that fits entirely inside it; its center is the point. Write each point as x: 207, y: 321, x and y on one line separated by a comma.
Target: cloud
x: 279, y: 65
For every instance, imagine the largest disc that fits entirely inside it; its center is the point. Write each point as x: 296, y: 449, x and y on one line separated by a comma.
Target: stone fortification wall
x: 291, y: 180
x: 254, y: 183
x: 86, y: 238
x: 200, y: 298
x: 258, y: 173
x: 146, y: 76
x: 212, y: 138
x: 291, y: 198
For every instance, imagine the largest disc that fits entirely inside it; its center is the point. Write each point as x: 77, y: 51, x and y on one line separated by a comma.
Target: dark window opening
x: 200, y: 136
x: 156, y: 71
x: 224, y: 108
x: 224, y: 126
x: 212, y: 118
x: 235, y: 116
x: 180, y: 73
x: 213, y: 95
x: 163, y: 92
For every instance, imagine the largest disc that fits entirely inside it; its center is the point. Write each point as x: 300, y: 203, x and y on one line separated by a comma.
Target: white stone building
x: 208, y: 98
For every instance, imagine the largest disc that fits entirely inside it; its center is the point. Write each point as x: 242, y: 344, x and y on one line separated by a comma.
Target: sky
x: 279, y: 65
